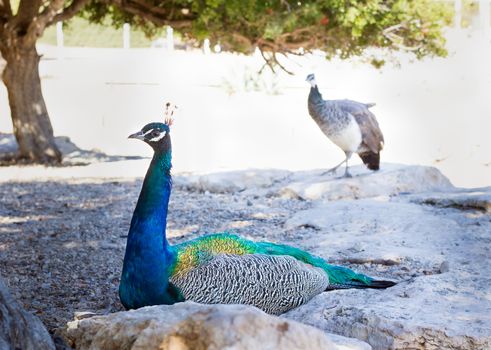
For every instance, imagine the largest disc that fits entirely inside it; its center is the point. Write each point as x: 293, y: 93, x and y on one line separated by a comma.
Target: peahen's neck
x: 144, y: 280
x: 315, y: 104
x: 315, y: 95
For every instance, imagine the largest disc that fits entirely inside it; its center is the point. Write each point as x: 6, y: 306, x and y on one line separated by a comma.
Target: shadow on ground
x: 72, y: 155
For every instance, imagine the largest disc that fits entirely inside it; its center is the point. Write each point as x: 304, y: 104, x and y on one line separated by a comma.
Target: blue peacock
x: 216, y: 268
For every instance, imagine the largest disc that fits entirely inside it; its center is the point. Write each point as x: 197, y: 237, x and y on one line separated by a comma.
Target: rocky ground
x: 62, y: 244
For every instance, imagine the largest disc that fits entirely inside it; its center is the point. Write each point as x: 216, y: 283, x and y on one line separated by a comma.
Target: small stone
x: 80, y: 315
x: 444, y: 267
x: 358, y: 247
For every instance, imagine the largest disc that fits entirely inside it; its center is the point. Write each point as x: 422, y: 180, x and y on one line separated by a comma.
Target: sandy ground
x: 434, y: 112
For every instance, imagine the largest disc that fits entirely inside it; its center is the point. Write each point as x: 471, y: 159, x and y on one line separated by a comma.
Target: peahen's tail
x: 339, y: 277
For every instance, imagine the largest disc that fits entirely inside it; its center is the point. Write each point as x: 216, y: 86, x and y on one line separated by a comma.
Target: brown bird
x: 348, y: 124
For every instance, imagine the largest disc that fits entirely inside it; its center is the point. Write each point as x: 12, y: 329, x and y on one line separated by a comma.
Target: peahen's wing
x: 274, y: 284
x: 371, y: 134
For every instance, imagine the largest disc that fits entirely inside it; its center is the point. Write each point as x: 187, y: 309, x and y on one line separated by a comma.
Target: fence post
x: 59, y: 34
x: 484, y: 16
x: 170, y: 38
x: 458, y: 13
x: 126, y: 36
x: 206, y: 46
x: 59, y: 39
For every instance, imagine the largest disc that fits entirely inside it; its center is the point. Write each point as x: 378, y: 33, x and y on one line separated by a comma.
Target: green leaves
x: 339, y: 27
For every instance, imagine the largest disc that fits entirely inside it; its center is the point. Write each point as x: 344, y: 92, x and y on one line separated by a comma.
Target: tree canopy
x: 341, y: 28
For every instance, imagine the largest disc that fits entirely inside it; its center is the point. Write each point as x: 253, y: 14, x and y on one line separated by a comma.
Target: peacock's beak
x: 137, y: 135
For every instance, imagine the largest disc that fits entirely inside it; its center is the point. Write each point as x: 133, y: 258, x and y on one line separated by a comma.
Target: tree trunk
x: 18, y: 328
x: 32, y: 127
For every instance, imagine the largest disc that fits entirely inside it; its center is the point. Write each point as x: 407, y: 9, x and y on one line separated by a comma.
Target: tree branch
x: 50, y: 11
x: 267, y: 62
x: 37, y: 24
x: 28, y: 9
x: 155, y: 10
x: 5, y: 9
x: 154, y: 14
x: 397, y: 40
x: 69, y: 11
x: 280, y: 65
x: 242, y: 39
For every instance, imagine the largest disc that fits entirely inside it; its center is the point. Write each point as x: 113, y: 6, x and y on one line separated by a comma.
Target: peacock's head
x: 157, y: 134
x: 311, y: 80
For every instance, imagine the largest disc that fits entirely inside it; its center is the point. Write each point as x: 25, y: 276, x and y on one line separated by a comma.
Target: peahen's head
x: 157, y: 134
x: 311, y: 80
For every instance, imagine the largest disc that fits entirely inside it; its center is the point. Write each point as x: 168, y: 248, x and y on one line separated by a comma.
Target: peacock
x: 215, y: 268
x: 348, y: 124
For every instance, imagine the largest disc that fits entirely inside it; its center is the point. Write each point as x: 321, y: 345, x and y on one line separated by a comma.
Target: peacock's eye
x: 155, y: 133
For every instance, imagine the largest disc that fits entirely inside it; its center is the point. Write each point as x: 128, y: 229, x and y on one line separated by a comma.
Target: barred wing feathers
x: 274, y: 284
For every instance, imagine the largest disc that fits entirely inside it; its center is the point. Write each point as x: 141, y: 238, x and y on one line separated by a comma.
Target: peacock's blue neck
x: 144, y: 280
x: 153, y: 201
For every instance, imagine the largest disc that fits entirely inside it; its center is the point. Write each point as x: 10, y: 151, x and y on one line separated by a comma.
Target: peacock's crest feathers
x: 169, y: 111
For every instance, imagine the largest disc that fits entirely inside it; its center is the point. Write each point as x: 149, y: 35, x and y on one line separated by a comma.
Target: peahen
x: 216, y: 268
x: 348, y: 124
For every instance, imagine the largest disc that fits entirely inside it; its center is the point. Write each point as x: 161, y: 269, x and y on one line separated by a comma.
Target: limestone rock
x: 232, y: 181
x: 313, y: 184
x: 390, y: 180
x: 438, y: 256
x: 195, y: 326
x: 18, y: 328
x: 477, y: 198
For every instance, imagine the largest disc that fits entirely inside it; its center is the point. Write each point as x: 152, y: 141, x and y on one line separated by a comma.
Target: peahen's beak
x: 137, y: 135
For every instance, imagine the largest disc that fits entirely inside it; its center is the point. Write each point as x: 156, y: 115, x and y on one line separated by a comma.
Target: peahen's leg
x: 346, y: 171
x: 333, y: 170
